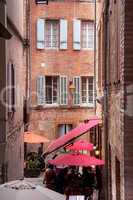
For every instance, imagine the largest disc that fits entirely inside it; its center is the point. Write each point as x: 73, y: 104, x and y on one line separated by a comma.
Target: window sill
x: 87, y: 105
x: 41, y: 2
x: 48, y: 49
x: 39, y: 107
x: 48, y: 106
x: 83, y: 49
x: 83, y: 106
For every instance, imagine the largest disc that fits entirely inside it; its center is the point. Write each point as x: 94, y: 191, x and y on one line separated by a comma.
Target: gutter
x: 28, y: 56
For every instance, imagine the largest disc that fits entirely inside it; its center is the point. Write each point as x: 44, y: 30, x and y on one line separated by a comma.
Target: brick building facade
x: 116, y: 72
x: 12, y: 87
x: 62, y: 66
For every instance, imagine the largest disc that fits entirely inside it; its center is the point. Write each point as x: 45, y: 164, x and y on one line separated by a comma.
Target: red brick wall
x: 60, y: 62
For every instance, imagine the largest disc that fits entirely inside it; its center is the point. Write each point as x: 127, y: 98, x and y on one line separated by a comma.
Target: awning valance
x: 73, y: 134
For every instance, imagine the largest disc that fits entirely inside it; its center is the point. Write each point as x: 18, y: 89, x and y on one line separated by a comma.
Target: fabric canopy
x: 81, y: 145
x: 73, y: 134
x: 76, y: 160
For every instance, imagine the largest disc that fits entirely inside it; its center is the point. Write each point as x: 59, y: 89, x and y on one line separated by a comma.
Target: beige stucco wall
x: 15, y: 13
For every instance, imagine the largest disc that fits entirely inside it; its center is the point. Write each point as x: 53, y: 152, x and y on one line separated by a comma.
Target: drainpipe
x: 106, y: 99
x: 28, y: 62
x: 95, y: 51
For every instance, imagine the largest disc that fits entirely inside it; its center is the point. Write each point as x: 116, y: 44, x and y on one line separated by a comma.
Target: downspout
x: 28, y: 62
x: 95, y: 51
x: 106, y: 98
x: 28, y: 71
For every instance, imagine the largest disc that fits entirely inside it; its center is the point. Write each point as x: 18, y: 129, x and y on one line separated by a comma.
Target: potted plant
x: 32, y: 166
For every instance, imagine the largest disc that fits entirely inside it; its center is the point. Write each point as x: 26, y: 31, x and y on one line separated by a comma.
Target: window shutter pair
x: 41, y: 33
x: 41, y: 90
x: 77, y: 84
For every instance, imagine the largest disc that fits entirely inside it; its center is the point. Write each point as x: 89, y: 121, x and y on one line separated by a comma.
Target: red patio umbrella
x: 81, y: 160
x: 81, y: 145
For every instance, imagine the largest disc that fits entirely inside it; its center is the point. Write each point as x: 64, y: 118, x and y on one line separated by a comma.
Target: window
x: 87, y: 35
x: 84, y: 91
x: 52, y: 84
x: 52, y: 34
x: 52, y: 90
x: 87, y: 91
x: 64, y: 128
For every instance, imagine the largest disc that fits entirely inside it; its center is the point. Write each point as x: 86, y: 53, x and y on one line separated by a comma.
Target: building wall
x: 15, y: 126
x: 12, y: 119
x: 118, y: 112
x: 15, y: 11
x: 128, y: 96
x: 2, y: 80
x: 59, y: 62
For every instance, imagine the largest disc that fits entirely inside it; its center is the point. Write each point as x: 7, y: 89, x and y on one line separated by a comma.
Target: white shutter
x: 76, y: 97
x: 90, y: 36
x: 40, y: 33
x: 68, y: 127
x: 61, y: 130
x: 63, y: 90
x: 76, y: 34
x: 40, y: 90
x: 63, y: 34
x: 9, y: 87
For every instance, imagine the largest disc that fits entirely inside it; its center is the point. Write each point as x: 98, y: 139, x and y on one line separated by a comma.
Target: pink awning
x: 76, y: 160
x: 73, y: 134
x: 81, y: 145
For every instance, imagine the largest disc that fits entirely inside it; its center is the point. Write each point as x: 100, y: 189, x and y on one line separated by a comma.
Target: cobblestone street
x: 36, y: 181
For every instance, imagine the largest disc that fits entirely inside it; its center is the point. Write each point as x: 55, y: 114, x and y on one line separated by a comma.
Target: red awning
x: 76, y: 160
x: 73, y: 134
x: 81, y: 145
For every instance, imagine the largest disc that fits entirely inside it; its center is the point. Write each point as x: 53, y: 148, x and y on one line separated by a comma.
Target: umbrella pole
x: 42, y: 146
x: 25, y: 150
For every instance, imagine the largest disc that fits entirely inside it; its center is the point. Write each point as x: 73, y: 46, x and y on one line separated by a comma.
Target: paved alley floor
x: 36, y: 181
x: 39, y: 181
